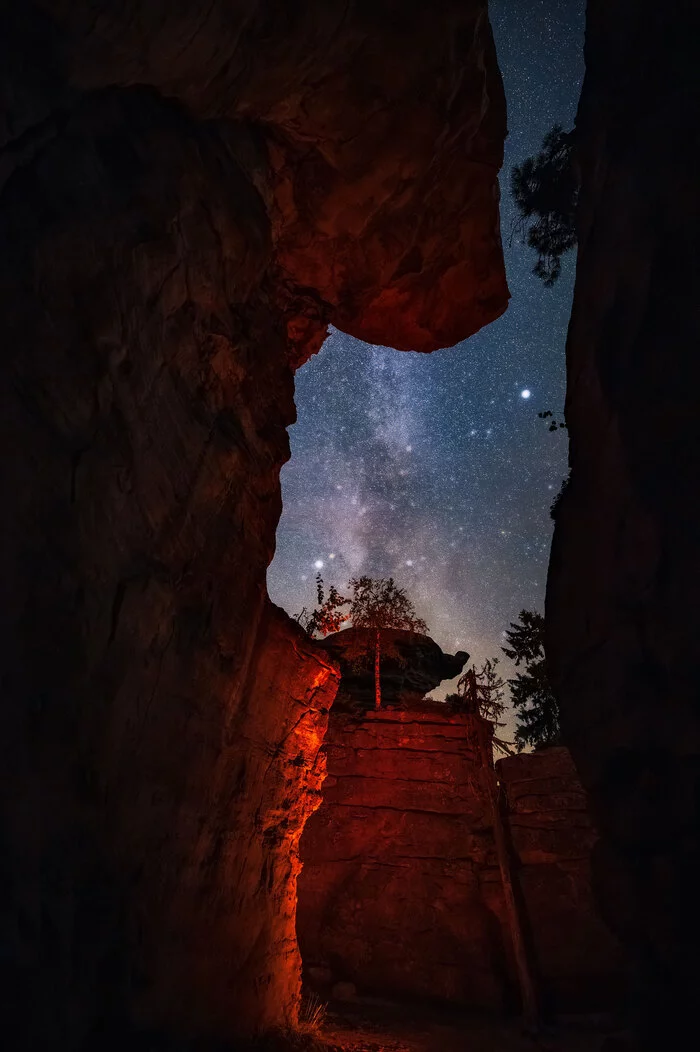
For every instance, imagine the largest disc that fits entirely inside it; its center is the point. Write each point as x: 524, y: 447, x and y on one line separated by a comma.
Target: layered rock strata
x: 401, y: 890
x: 189, y: 193
x: 389, y: 897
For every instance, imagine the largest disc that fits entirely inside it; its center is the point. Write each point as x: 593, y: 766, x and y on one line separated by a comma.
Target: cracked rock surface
x: 189, y: 193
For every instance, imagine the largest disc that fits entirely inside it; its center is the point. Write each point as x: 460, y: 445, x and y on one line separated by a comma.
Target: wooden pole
x: 522, y: 963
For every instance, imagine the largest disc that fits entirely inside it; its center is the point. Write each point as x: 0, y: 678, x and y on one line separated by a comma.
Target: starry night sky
x: 435, y: 469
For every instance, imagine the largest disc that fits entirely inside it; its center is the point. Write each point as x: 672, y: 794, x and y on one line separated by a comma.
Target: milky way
x: 436, y: 469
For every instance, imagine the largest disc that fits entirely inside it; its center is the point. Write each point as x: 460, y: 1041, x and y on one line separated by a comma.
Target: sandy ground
x: 376, y: 1026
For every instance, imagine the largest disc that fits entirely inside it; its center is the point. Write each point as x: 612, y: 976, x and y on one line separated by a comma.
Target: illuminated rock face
x: 390, y: 891
x: 401, y: 891
x: 189, y: 193
x: 622, y: 603
x: 374, y: 141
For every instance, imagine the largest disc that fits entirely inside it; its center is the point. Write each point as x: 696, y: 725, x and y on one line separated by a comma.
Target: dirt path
x: 373, y: 1026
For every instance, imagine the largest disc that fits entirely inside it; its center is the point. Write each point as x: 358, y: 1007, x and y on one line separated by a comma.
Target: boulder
x: 411, y: 666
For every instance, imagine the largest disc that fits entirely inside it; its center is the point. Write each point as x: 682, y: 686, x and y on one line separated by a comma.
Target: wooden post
x: 377, y: 681
x: 522, y: 963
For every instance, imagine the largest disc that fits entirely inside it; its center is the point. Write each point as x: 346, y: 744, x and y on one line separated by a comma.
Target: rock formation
x: 189, y: 193
x: 579, y: 965
x: 622, y: 610
x: 389, y: 896
x: 401, y: 893
x: 413, y: 666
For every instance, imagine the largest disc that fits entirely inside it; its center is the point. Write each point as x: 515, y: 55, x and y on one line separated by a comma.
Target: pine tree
x: 482, y: 691
x: 545, y: 191
x: 531, y: 694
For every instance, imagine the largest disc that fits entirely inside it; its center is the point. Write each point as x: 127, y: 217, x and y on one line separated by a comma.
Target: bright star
x: 332, y: 555
x: 319, y: 564
x: 525, y: 393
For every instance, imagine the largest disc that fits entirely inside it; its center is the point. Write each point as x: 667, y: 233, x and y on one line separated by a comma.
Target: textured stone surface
x: 579, y: 964
x: 411, y: 666
x: 389, y: 896
x: 189, y: 193
x: 382, y: 152
x: 622, y: 613
x: 401, y: 891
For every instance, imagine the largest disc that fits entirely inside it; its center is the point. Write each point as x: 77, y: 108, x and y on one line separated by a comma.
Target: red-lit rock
x: 401, y: 891
x: 389, y: 896
x: 411, y: 666
x: 190, y: 192
x: 377, y: 156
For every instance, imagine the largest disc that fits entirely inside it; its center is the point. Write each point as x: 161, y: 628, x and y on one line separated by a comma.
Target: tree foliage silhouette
x: 556, y: 425
x: 545, y: 191
x: 374, y: 605
x: 537, y: 711
x: 378, y: 604
x: 328, y: 615
x: 482, y: 690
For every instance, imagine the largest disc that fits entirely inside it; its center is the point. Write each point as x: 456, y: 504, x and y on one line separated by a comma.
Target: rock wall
x: 389, y: 896
x: 189, y: 193
x: 622, y: 612
x: 401, y: 890
x: 578, y: 964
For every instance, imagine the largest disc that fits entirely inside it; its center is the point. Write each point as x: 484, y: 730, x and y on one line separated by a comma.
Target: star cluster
x: 436, y: 469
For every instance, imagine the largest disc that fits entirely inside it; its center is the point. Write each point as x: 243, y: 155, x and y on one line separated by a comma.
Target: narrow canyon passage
x: 437, y: 469
x: 191, y: 193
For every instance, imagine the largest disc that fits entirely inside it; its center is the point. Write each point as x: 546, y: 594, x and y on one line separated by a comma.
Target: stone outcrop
x: 411, y: 666
x: 189, y: 193
x: 622, y: 612
x: 389, y: 897
x: 578, y: 963
x: 374, y: 142
x: 401, y: 892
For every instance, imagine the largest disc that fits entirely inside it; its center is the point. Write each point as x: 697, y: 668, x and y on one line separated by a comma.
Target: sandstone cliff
x: 401, y: 891
x: 390, y: 891
x: 189, y: 193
